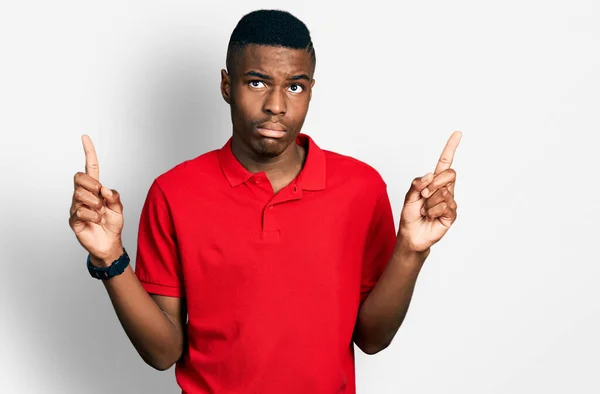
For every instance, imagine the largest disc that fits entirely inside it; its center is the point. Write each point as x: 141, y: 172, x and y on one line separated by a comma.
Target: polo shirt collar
x: 311, y: 177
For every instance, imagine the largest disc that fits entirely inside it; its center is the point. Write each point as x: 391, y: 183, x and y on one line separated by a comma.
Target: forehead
x: 275, y: 60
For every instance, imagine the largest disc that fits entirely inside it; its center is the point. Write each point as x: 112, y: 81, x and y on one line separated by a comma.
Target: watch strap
x: 116, y: 268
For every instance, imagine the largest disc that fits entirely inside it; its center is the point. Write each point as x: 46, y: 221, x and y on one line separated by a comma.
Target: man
x: 281, y: 255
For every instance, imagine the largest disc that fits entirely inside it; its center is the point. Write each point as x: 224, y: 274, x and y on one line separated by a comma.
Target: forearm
x: 383, y: 311
x: 151, y: 332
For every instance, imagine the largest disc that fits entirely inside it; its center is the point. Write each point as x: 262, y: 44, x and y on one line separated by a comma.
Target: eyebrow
x: 301, y: 76
x: 269, y: 78
x: 258, y: 75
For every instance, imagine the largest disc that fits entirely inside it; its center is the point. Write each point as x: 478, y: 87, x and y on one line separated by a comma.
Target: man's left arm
x: 384, y: 309
x: 428, y: 212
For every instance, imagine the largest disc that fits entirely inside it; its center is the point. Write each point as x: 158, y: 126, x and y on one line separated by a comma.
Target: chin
x: 266, y: 147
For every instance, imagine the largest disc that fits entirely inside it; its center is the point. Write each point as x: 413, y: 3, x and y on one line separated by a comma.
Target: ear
x: 311, y: 88
x: 225, y: 86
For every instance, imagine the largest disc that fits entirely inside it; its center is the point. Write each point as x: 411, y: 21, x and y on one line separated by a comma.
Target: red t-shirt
x: 272, y: 282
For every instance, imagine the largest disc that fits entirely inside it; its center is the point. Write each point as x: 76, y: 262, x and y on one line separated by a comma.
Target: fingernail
x: 424, y: 177
x: 425, y: 192
x: 422, y: 211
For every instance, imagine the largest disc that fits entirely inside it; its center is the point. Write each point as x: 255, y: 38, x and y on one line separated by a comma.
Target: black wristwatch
x: 116, y: 268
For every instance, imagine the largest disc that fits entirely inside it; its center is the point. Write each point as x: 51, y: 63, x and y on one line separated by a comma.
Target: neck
x: 287, y: 165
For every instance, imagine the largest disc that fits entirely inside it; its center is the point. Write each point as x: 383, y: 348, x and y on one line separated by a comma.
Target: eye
x: 256, y: 84
x: 296, y: 88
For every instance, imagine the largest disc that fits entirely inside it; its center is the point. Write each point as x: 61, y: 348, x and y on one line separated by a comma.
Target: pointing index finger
x: 91, y: 159
x: 447, y: 156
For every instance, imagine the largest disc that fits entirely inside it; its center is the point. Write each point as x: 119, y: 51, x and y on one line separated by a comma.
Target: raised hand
x: 96, y: 214
x: 429, y: 207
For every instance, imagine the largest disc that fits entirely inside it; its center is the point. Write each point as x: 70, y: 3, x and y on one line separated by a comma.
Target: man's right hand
x: 96, y: 214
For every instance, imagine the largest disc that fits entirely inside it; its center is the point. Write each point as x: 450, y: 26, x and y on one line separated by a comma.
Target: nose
x: 275, y: 102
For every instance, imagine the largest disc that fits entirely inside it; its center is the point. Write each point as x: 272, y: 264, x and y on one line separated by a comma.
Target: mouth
x: 272, y: 130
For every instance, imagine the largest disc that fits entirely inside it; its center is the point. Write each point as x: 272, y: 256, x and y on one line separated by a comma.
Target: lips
x: 272, y: 126
x: 272, y: 130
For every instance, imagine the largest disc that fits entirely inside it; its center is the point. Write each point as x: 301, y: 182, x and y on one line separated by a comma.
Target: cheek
x: 297, y: 110
x: 246, y: 104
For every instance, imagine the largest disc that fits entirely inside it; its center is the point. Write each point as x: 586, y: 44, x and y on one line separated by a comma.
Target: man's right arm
x: 154, y: 324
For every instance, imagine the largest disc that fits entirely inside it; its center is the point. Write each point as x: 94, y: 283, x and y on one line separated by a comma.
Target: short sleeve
x: 380, y: 244
x: 157, y: 264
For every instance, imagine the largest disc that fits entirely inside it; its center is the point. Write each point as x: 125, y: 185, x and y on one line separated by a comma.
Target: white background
x: 507, y: 301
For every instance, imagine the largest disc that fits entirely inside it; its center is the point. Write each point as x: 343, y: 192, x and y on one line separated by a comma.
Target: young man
x: 280, y: 254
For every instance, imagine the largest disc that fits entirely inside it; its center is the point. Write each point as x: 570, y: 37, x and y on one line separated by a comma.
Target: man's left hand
x: 429, y: 207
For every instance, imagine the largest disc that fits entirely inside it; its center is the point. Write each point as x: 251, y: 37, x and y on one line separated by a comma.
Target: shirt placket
x: 270, y: 229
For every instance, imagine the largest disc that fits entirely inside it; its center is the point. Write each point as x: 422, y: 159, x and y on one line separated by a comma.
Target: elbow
x: 168, y: 360
x: 373, y: 349
x: 161, y: 367
x: 166, y: 355
x: 161, y: 362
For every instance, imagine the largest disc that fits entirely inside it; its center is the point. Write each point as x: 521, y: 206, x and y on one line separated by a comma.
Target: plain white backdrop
x: 508, y: 300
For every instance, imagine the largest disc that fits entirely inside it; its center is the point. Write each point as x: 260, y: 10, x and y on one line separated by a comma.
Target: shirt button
x: 257, y: 180
x: 270, y: 207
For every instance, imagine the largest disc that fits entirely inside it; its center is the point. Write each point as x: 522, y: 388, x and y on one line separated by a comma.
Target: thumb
x: 418, y: 184
x: 113, y: 199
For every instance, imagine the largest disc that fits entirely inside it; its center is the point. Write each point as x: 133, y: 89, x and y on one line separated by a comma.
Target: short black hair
x: 272, y: 28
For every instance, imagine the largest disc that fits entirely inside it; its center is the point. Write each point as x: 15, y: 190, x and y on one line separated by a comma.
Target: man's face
x: 268, y: 88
